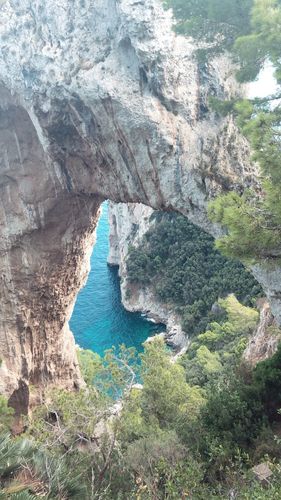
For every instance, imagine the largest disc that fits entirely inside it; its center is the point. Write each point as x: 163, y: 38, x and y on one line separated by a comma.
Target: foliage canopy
x: 180, y: 262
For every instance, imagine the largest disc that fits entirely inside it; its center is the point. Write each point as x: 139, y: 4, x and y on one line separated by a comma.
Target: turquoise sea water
x: 99, y: 321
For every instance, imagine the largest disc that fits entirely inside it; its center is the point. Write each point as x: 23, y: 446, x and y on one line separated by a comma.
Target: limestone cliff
x: 264, y: 341
x: 128, y: 223
x: 98, y: 99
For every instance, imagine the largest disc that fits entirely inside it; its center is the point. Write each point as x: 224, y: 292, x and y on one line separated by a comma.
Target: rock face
x: 264, y: 341
x: 269, y: 276
x: 98, y: 100
x: 128, y: 223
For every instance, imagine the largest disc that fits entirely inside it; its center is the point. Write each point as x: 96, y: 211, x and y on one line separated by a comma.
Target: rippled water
x: 99, y: 321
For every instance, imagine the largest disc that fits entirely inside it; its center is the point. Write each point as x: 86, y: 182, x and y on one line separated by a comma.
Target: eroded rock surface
x: 99, y: 99
x: 264, y: 341
x: 128, y: 224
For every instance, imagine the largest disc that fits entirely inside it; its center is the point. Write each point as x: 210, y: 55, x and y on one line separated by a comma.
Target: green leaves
x: 251, y: 30
x: 26, y: 472
x: 267, y: 382
x: 190, y: 274
x: 6, y: 414
x: 90, y: 364
x: 209, y: 361
x: 253, y: 220
x: 264, y: 41
x: 243, y: 319
x: 251, y: 54
x: 216, y: 22
x: 216, y: 351
x: 166, y: 396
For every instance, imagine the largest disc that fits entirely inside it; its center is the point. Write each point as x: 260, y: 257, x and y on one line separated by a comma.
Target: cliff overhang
x: 97, y: 101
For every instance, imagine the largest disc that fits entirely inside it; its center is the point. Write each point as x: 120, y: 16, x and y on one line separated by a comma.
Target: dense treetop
x: 180, y: 262
x: 218, y: 22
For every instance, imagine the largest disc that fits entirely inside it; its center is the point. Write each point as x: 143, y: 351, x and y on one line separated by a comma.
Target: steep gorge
x: 99, y: 100
x: 128, y: 224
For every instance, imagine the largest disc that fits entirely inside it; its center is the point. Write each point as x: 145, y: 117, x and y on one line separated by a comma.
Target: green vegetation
x: 198, y: 425
x: 180, y: 262
x: 90, y: 364
x: 219, y: 348
x: 263, y: 42
x: 6, y: 414
x: 176, y: 437
x: 217, y: 22
x: 195, y: 427
x: 253, y: 220
x: 28, y: 472
x: 266, y: 377
x: 250, y: 30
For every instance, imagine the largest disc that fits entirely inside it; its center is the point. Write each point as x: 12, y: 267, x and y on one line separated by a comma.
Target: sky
x: 265, y: 84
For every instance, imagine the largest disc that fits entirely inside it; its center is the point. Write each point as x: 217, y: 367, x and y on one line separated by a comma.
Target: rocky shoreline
x: 145, y: 302
x: 128, y: 223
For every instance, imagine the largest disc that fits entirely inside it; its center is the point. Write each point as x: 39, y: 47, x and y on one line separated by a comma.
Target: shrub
x: 179, y: 261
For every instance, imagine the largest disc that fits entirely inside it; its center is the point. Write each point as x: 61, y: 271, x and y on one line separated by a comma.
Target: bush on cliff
x: 179, y: 261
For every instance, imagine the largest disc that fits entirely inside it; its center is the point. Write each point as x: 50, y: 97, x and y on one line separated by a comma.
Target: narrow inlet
x: 99, y: 320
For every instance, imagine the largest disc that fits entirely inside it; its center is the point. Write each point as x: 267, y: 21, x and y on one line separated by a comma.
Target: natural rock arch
x: 104, y: 101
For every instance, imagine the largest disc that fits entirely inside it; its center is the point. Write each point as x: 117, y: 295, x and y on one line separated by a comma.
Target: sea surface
x: 99, y: 320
